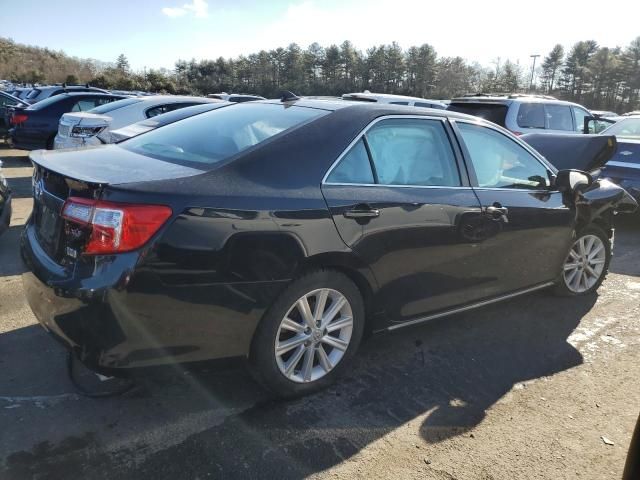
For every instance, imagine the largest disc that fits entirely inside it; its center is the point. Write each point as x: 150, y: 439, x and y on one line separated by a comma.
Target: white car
x: 84, y: 129
x: 367, y: 96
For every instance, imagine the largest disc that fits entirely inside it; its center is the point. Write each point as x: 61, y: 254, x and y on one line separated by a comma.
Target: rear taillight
x: 18, y: 118
x: 516, y: 133
x: 115, y: 227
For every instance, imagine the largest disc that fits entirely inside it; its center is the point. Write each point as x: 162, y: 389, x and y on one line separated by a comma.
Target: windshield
x: 110, y: 107
x: 627, y: 128
x: 215, y: 136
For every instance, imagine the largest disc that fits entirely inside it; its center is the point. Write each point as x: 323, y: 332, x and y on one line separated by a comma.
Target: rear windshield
x: 110, y: 107
x: 215, y: 136
x: 47, y: 101
x: 32, y: 94
x: 494, y: 112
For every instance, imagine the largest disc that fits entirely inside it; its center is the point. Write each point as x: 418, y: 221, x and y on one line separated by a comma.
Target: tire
x: 286, y: 372
x: 566, y: 284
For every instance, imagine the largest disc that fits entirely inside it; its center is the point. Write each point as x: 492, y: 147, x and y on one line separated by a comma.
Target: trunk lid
x: 565, y: 151
x: 627, y: 157
x: 84, y: 173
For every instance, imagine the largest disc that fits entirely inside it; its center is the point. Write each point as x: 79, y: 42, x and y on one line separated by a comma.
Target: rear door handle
x: 362, y: 212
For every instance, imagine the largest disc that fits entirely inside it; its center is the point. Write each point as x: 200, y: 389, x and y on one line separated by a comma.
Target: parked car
x: 624, y: 168
x: 285, y: 231
x: 37, y: 94
x: 149, y: 124
x: 524, y: 113
x: 84, y: 129
x: 631, y: 114
x: 367, y: 96
x: 36, y: 126
x: 5, y: 202
x: 6, y: 101
x: 603, y: 113
x: 235, y: 97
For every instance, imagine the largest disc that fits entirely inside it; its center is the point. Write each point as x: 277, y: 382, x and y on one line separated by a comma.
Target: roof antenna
x: 287, y: 96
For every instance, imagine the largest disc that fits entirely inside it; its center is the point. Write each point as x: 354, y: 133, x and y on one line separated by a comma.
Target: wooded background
x: 597, y: 77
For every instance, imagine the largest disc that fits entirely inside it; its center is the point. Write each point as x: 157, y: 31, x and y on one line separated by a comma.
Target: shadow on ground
x: 449, y: 371
x: 10, y: 261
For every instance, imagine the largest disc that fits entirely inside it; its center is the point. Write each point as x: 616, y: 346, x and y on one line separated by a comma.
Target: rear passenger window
x: 531, y: 115
x: 412, y: 152
x: 354, y: 167
x: 558, y: 117
x: 84, y: 105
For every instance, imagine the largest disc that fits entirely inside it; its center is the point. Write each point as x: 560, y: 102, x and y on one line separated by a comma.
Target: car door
x: 400, y: 198
x: 533, y: 227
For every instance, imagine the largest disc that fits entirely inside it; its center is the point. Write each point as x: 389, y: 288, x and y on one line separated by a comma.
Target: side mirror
x: 572, y: 180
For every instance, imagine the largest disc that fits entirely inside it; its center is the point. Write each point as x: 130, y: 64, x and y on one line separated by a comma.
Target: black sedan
x: 285, y: 231
x: 36, y: 126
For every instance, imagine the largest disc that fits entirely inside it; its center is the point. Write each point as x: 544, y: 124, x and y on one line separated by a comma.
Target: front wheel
x: 308, y: 336
x: 586, y: 264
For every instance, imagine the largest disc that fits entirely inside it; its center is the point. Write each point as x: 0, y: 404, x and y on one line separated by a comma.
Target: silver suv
x: 525, y: 113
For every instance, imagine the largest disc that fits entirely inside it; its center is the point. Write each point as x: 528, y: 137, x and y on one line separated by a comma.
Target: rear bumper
x: 22, y: 142
x: 114, y: 316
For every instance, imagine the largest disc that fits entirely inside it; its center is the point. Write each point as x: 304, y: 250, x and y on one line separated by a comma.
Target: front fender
x: 601, y: 200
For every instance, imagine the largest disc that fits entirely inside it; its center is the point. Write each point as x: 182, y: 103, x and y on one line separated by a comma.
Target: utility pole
x: 533, y: 68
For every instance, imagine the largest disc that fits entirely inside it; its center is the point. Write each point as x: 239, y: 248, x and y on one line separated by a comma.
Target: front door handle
x: 497, y: 211
x: 362, y: 211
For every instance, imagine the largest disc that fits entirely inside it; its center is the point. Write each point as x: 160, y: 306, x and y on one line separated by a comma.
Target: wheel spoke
x: 594, y: 253
x: 340, y: 324
x: 575, y: 281
x: 292, y: 325
x: 333, y: 311
x: 294, y: 360
x: 335, y: 342
x: 581, y: 246
x: 305, y: 311
x: 591, y: 271
x: 598, y: 261
x: 588, y: 245
x: 570, y: 266
x: 573, y: 254
x: 307, y: 365
x: 321, y: 302
x: 290, y: 344
x: 325, y: 362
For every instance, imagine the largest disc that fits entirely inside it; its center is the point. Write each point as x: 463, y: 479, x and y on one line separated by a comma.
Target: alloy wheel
x: 585, y: 263
x: 314, y: 335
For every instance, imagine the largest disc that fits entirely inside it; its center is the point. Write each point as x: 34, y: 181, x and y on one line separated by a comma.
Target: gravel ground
x: 525, y: 389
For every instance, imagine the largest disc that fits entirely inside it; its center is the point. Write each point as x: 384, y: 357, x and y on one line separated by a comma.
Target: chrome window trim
x: 510, y: 136
x: 394, y: 186
x: 442, y: 119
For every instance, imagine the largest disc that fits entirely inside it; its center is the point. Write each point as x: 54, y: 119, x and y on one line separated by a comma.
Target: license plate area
x: 49, y: 229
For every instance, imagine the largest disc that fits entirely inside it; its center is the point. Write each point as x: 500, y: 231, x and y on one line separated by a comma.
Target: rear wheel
x: 586, y: 264
x: 308, y: 336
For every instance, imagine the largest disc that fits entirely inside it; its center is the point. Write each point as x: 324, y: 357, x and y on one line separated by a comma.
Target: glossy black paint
x: 242, y: 232
x: 42, y: 123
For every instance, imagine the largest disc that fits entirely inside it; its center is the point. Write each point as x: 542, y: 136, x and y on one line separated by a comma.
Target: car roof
x: 387, y: 96
x: 373, y: 108
x: 507, y: 100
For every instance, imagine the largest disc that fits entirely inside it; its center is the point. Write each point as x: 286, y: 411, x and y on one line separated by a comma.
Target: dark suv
x: 36, y: 126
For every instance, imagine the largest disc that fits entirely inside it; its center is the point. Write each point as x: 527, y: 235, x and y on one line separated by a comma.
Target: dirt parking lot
x: 521, y: 390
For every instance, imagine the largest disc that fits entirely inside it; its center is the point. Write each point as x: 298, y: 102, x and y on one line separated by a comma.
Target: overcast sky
x: 156, y: 33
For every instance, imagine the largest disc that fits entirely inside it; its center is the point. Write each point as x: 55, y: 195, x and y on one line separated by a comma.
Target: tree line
x: 598, y: 77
